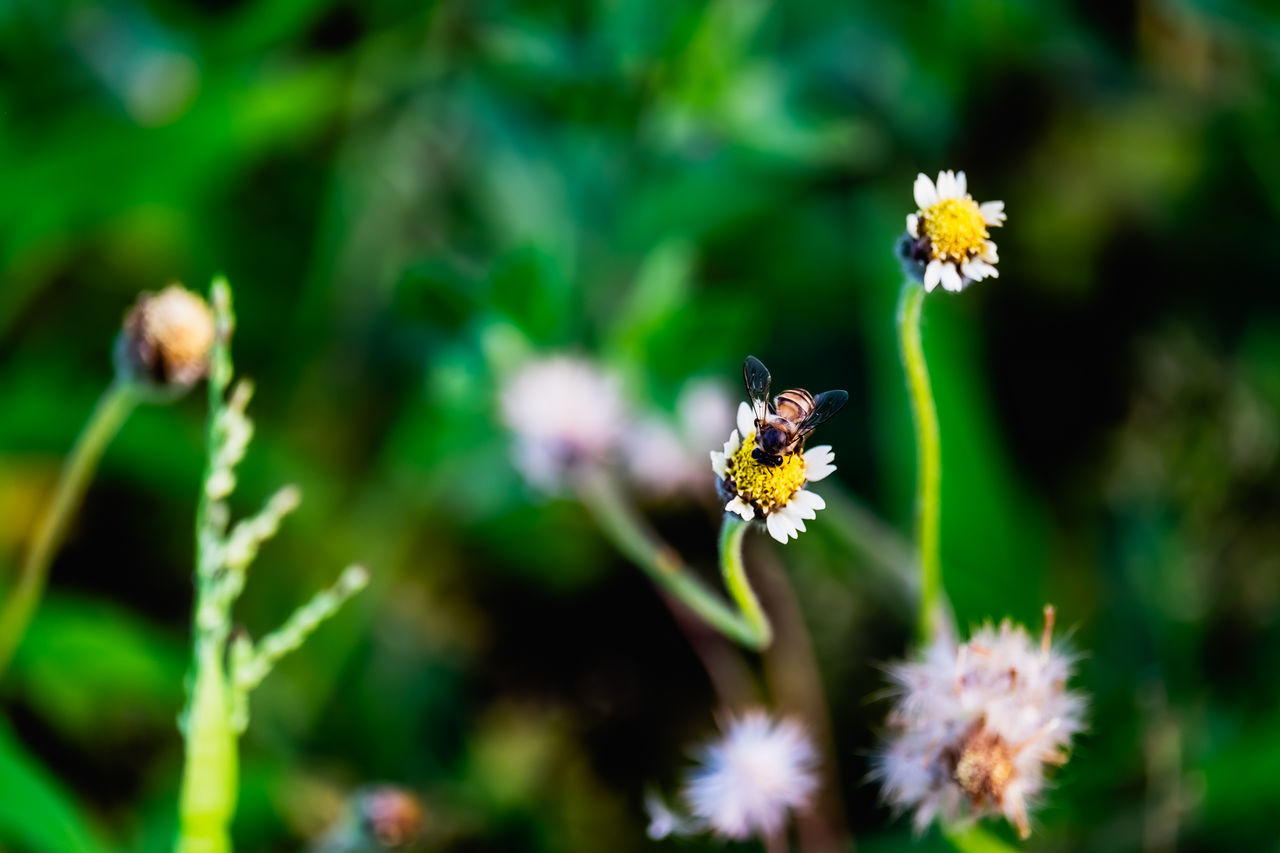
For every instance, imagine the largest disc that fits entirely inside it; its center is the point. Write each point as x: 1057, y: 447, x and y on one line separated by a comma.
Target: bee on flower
x: 565, y: 413
x: 763, y: 469
x: 747, y: 782
x: 975, y: 725
x: 948, y: 239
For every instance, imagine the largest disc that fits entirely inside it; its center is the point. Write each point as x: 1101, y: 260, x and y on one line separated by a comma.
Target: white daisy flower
x: 748, y: 781
x: 564, y: 412
x: 976, y: 725
x: 949, y: 237
x: 676, y: 450
x: 775, y: 494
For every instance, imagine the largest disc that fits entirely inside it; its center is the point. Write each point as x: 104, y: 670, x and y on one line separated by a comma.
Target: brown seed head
x: 981, y: 764
x: 168, y: 337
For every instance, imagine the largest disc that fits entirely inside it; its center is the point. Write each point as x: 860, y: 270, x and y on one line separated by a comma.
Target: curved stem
x: 112, y: 410
x: 746, y: 624
x: 924, y: 414
x: 732, y: 531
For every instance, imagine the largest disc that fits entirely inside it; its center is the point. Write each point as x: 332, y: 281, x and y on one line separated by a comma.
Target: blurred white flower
x: 749, y: 780
x: 753, y: 776
x: 776, y: 493
x: 949, y: 233
x: 674, y: 453
x: 975, y: 725
x: 564, y: 412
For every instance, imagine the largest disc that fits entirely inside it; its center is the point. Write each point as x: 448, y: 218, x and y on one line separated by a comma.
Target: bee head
x: 765, y: 459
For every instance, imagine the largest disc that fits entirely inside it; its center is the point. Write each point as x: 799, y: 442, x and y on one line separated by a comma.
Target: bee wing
x: 757, y: 379
x: 825, y: 407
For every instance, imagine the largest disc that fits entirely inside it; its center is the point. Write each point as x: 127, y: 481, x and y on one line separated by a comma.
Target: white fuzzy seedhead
x: 752, y: 777
x: 975, y: 725
x: 564, y: 412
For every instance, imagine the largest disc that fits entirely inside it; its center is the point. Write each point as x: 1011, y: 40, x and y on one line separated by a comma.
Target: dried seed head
x: 976, y: 725
x: 167, y: 338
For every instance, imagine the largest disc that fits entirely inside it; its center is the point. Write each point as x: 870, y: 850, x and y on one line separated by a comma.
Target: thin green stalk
x: 732, y: 530
x: 924, y: 415
x: 113, y: 408
x: 744, y: 623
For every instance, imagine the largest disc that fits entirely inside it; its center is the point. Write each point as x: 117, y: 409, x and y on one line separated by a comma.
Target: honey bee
x: 783, y: 423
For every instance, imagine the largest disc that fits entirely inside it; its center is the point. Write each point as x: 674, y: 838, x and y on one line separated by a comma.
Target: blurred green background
x: 405, y: 194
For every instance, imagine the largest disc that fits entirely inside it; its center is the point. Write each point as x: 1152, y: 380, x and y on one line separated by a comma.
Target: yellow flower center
x: 955, y: 228
x: 759, y: 485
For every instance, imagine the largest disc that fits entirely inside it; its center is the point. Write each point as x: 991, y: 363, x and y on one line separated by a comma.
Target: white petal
x: 962, y: 184
x: 717, y: 462
x: 780, y: 527
x: 746, y: 419
x: 992, y: 212
x: 818, y: 462
x: 804, y: 504
x: 913, y: 225
x: 978, y: 270
x: 741, y: 507
x: 932, y: 275
x: 946, y: 185
x: 731, y: 446
x: 795, y: 516
x: 811, y: 500
x: 951, y: 278
x: 925, y: 193
x: 989, y: 253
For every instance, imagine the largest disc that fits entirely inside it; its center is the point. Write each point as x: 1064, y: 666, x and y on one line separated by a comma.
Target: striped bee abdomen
x: 794, y: 405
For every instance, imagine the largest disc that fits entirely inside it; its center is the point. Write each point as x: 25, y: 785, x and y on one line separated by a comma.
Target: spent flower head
x: 166, y: 339
x: 774, y: 493
x: 948, y: 240
x: 975, y: 725
x: 747, y: 782
x: 565, y: 413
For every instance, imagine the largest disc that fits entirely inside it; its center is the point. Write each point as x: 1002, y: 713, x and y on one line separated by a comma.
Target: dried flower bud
x: 166, y: 338
x: 390, y: 816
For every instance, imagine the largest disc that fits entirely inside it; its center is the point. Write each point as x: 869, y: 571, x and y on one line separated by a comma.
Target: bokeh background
x: 409, y: 196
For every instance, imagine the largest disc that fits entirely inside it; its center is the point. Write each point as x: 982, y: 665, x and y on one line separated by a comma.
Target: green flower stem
x: 113, y: 408
x: 929, y: 456
x: 732, y: 531
x: 210, y: 775
x: 976, y: 839
x: 745, y: 623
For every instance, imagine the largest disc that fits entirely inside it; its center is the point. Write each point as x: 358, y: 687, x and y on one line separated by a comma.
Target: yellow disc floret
x: 765, y: 488
x: 955, y: 228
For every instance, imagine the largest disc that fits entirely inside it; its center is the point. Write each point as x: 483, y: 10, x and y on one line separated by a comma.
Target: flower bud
x: 390, y: 816
x: 166, y: 339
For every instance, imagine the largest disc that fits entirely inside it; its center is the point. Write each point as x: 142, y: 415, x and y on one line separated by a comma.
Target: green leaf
x: 96, y: 671
x: 36, y: 813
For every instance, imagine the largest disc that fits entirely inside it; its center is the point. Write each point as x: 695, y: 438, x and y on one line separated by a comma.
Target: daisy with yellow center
x: 950, y: 233
x: 776, y: 494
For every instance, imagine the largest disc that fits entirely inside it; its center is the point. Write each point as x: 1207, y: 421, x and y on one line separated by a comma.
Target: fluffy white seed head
x: 752, y: 777
x: 975, y: 725
x: 563, y: 412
